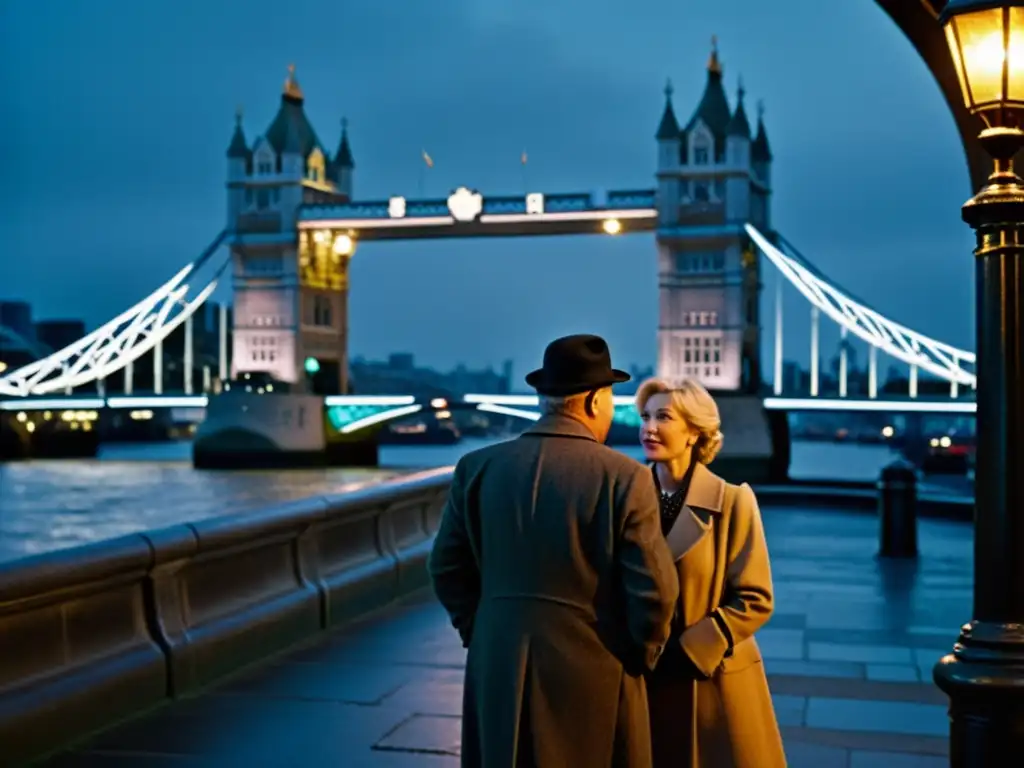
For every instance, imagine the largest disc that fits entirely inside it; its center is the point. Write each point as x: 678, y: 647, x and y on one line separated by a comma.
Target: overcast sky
x: 116, y: 115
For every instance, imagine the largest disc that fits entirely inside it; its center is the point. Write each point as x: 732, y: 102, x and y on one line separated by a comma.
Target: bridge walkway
x: 848, y: 652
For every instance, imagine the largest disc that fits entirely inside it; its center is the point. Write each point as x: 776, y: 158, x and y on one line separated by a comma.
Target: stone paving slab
x: 848, y: 654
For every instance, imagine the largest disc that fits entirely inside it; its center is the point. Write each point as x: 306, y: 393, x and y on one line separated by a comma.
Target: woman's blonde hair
x: 693, y: 404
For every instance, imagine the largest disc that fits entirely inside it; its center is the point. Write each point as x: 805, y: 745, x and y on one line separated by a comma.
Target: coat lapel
x: 703, y: 501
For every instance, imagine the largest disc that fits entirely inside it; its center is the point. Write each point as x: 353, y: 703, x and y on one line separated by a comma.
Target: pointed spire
x: 714, y: 65
x: 713, y: 108
x: 668, y: 128
x: 343, y: 157
x: 760, y: 150
x: 238, y: 148
x: 292, y: 90
x: 739, y: 125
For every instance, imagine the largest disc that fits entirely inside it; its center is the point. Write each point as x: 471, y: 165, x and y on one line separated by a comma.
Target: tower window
x: 701, y: 193
x: 701, y: 154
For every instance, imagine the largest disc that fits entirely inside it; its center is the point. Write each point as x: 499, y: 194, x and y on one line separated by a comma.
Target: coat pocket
x: 744, y: 655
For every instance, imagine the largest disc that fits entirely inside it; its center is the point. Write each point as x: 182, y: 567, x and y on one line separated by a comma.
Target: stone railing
x: 95, y: 634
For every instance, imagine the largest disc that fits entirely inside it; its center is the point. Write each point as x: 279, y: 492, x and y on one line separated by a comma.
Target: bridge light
x: 611, y: 226
x: 396, y: 207
x: 312, y: 366
x: 986, y: 41
x: 3, y: 366
x: 344, y: 245
x: 438, y: 402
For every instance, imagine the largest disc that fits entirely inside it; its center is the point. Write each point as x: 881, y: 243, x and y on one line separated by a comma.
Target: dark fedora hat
x: 574, y: 364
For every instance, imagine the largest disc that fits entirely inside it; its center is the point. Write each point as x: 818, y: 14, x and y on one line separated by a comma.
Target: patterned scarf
x: 672, y: 503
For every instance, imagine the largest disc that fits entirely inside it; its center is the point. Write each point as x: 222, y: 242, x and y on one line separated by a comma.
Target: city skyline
x: 172, y: 148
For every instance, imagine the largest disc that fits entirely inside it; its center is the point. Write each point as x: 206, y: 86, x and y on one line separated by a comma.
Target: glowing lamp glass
x: 312, y: 366
x: 611, y: 226
x: 986, y: 42
x: 344, y: 245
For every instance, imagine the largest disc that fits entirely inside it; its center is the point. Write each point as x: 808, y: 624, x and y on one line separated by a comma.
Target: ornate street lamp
x: 984, y: 675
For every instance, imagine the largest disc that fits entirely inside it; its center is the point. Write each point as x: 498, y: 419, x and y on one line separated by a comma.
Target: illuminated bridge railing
x: 350, y: 413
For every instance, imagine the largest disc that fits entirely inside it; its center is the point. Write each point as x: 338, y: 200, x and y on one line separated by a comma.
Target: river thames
x: 47, y: 505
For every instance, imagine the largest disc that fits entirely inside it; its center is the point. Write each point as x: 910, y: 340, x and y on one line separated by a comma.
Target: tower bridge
x: 294, y: 224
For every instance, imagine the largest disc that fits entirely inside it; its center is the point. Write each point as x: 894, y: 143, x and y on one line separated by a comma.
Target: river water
x: 47, y: 505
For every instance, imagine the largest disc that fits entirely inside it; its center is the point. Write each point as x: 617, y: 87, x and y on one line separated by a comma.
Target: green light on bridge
x: 312, y: 366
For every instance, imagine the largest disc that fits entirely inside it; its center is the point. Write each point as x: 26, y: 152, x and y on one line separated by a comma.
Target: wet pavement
x: 849, y: 654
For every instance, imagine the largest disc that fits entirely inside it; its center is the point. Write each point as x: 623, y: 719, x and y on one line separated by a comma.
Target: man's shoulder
x: 605, y: 460
x: 618, y: 462
x: 480, y: 456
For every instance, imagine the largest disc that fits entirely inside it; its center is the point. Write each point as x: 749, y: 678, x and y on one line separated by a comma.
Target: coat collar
x: 703, y: 500
x: 707, y: 490
x: 559, y: 426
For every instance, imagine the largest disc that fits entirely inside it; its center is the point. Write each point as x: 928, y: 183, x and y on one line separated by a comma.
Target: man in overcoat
x: 551, y: 564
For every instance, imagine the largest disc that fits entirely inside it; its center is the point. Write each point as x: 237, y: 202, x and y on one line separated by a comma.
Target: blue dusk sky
x: 116, y: 116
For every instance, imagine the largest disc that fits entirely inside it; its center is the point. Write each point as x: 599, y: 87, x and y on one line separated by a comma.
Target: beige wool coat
x: 551, y: 563
x: 726, y: 595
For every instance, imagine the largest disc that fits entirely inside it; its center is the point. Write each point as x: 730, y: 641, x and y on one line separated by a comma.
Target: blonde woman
x: 709, y: 701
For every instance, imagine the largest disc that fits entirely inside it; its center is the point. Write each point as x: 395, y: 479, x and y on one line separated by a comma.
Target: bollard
x: 897, y: 510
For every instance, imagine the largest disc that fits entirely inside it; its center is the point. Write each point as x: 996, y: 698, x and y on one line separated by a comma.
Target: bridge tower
x: 290, y: 290
x: 713, y: 177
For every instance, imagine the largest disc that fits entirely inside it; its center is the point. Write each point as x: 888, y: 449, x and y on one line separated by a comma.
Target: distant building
x: 714, y: 176
x: 399, y: 375
x: 57, y: 334
x: 18, y: 345
x: 17, y: 315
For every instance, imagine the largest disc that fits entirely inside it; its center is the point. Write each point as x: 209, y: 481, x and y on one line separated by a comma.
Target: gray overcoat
x: 551, y: 563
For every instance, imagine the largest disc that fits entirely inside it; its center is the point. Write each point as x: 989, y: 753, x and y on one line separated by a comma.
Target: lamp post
x: 984, y: 675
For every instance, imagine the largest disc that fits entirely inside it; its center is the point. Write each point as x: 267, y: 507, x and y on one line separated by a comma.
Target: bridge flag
x: 428, y: 159
x: 522, y: 158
